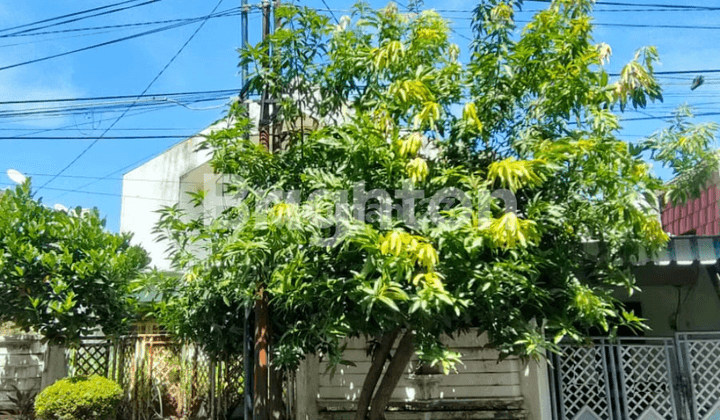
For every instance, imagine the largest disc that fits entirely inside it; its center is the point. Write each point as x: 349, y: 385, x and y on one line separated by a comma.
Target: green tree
x: 382, y: 102
x: 61, y: 273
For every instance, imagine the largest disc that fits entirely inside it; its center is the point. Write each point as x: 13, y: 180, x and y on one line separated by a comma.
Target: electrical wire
x: 68, y: 15
x: 108, y: 178
x: 83, y: 18
x: 110, y: 107
x: 654, y: 5
x: 107, y: 194
x: 169, y: 136
x: 661, y: 73
x: 116, y: 129
x: 102, y: 44
x: 143, y: 93
x: 331, y: 12
x: 234, y: 11
x: 103, y: 98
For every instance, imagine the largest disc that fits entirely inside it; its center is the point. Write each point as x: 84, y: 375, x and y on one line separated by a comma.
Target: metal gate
x: 638, y: 379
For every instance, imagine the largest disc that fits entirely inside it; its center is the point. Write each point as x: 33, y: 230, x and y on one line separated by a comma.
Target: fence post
x: 307, y: 380
x: 211, y: 379
x: 193, y: 384
x: 121, y: 362
x: 55, y: 366
x: 139, y: 349
x: 108, y: 350
x: 226, y: 385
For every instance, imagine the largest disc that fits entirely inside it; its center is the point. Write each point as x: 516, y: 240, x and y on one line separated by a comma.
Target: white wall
x: 22, y: 360
x: 481, y: 381
x: 152, y: 186
x: 157, y: 184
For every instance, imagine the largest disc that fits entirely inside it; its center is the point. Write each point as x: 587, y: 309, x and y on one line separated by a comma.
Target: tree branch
x: 392, y: 376
x: 380, y: 354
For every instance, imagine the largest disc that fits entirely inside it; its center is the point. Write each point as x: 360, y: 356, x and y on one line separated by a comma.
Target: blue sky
x: 209, y: 62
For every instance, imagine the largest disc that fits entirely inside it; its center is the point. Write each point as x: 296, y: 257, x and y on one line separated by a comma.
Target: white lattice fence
x: 639, y: 379
x: 646, y: 379
x: 701, y: 353
x: 92, y: 357
x: 584, y: 386
x: 629, y: 379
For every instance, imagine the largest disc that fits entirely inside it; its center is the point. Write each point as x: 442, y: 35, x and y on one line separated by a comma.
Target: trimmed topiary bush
x: 79, y: 398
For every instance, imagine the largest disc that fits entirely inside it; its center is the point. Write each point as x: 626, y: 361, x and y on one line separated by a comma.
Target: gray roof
x: 685, y: 250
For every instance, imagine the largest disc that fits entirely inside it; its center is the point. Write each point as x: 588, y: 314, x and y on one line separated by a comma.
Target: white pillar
x: 54, y: 366
x: 535, y: 387
x: 308, y: 384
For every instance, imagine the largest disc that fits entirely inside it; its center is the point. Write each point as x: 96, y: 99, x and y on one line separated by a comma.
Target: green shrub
x: 79, y: 398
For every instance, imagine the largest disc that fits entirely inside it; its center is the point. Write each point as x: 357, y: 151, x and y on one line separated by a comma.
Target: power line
x: 111, y: 107
x: 77, y: 125
x: 169, y: 136
x: 128, y: 109
x: 331, y: 12
x: 55, y: 39
x: 655, y: 5
x: 461, y: 35
x: 656, y: 73
x: 68, y: 15
x: 226, y: 13
x: 107, y: 194
x: 668, y: 117
x: 115, y: 129
x: 102, y: 44
x: 109, y: 178
x: 620, y: 25
x: 130, y: 165
x: 83, y: 17
x: 104, y: 98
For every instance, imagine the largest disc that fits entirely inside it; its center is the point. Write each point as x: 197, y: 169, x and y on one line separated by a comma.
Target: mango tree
x: 417, y: 194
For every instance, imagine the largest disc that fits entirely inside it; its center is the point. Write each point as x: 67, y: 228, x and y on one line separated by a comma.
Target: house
x: 665, y: 372
x: 166, y: 180
x: 671, y: 370
x: 699, y: 216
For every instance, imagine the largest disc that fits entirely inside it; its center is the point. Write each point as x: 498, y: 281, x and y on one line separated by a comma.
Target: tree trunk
x: 277, y: 405
x: 376, y: 368
x: 392, y: 376
x: 260, y: 411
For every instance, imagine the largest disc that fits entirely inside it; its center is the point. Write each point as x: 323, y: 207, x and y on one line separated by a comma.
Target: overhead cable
x: 82, y: 18
x: 102, y: 44
x: 234, y: 11
x: 143, y: 93
x: 68, y: 15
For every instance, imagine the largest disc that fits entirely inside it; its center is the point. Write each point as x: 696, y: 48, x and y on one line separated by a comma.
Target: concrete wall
x: 482, y: 385
x: 22, y: 360
x: 692, y: 295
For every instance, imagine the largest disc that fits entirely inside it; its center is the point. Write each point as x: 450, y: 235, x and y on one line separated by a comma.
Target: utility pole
x: 262, y: 324
x: 248, y: 324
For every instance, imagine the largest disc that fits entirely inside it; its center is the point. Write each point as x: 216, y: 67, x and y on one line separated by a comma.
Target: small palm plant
x: 24, y: 404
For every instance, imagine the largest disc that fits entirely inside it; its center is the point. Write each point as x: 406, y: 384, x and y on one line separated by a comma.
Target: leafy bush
x: 79, y: 398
